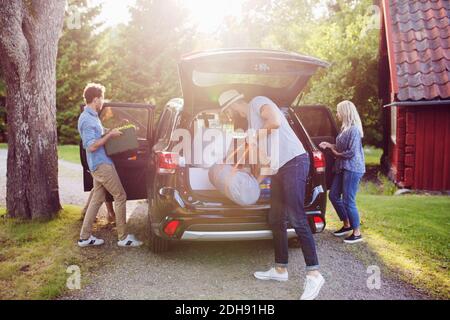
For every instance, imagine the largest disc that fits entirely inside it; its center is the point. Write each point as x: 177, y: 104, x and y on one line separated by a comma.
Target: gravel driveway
x: 70, y: 182
x: 213, y: 270
x: 225, y: 271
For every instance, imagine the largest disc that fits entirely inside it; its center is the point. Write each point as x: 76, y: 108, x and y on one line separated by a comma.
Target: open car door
x: 134, y: 169
x: 321, y: 126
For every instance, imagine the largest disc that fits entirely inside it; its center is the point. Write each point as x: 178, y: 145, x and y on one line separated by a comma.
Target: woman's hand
x: 332, y: 147
x: 335, y: 152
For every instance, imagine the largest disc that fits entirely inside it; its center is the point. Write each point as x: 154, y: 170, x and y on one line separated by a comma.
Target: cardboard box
x: 125, y: 143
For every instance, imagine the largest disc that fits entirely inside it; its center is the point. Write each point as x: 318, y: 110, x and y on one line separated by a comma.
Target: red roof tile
x: 422, y: 45
x: 415, y: 56
x: 419, y: 32
x: 424, y: 67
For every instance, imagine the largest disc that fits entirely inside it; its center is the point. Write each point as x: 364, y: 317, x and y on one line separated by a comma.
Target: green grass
x: 409, y: 235
x: 34, y: 256
x: 372, y: 155
x: 69, y: 153
x: 383, y: 186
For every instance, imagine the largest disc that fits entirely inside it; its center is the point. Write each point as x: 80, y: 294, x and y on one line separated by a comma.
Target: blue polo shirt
x: 91, y: 130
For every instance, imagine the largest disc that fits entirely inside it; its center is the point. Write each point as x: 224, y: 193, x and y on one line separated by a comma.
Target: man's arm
x: 96, y: 144
x: 271, y: 117
x: 272, y: 121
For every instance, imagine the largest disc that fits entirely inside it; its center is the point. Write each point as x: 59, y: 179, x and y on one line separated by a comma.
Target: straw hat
x: 229, y: 97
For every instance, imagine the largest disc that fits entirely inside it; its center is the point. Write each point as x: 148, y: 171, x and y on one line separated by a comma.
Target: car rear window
x: 209, y: 79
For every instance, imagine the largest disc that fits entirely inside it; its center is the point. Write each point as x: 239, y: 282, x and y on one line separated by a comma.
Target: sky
x: 208, y: 14
x: 114, y: 11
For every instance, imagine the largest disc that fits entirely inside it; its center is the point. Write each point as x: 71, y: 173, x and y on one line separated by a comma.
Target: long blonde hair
x: 349, y: 114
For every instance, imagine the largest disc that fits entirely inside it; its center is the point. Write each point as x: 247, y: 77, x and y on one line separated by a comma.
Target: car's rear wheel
x: 156, y: 243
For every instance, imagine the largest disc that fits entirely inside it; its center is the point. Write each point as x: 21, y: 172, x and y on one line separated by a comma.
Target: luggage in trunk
x: 239, y: 186
x: 203, y: 178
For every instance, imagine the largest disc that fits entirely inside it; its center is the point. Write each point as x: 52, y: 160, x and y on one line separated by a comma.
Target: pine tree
x: 79, y: 62
x: 146, y: 52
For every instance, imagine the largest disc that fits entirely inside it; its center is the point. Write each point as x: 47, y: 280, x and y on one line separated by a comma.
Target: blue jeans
x: 343, y: 194
x: 287, y: 202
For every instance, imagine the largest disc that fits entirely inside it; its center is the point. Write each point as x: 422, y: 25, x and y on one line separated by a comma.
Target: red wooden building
x: 415, y: 90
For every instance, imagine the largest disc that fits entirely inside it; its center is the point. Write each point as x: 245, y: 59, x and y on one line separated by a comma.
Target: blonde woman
x: 349, y: 169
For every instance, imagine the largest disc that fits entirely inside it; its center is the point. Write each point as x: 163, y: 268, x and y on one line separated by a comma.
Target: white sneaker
x: 272, y: 274
x: 129, y: 241
x: 312, y: 287
x: 92, y: 241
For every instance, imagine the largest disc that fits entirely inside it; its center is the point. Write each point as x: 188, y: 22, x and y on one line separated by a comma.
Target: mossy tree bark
x: 29, y: 35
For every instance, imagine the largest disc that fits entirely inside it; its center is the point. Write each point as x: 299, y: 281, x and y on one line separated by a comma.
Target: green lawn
x: 410, y: 235
x: 372, y: 155
x: 69, y: 153
x: 34, y: 256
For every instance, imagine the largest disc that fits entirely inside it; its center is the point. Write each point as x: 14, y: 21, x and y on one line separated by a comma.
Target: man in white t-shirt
x: 287, y: 189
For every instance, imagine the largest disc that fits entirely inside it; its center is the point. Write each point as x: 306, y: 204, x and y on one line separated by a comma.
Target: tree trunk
x: 29, y: 34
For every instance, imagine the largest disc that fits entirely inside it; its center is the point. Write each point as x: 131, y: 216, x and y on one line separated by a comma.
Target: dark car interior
x: 320, y: 126
x: 132, y: 167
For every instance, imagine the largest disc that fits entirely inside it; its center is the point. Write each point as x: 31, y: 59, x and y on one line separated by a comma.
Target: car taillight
x: 319, y: 161
x: 167, y: 162
x: 171, y: 227
x: 319, y: 223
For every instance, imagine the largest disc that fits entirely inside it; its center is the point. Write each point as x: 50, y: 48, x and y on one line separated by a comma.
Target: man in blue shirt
x: 102, y: 170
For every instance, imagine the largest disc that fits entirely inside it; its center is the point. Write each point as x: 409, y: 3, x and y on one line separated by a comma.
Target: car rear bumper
x: 230, y: 235
x: 220, y: 228
x: 172, y: 219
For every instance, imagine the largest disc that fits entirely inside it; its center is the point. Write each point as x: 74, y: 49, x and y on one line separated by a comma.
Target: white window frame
x: 394, y: 124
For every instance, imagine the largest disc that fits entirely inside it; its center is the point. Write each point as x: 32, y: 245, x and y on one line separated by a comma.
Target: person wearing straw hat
x: 287, y: 190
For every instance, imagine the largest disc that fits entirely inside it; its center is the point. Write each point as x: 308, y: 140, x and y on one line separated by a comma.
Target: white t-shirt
x: 289, y: 146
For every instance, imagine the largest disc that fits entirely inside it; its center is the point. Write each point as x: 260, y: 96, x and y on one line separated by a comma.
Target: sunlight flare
x: 210, y: 15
